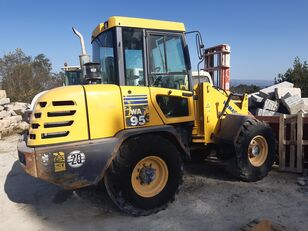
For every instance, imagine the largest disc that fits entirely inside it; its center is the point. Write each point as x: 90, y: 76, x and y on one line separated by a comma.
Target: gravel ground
x: 209, y: 199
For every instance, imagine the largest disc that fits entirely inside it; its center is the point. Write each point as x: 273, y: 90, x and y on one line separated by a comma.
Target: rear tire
x: 255, y: 151
x: 145, y: 175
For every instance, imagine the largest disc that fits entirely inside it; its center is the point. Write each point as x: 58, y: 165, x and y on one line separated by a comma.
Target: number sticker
x: 137, y: 120
x: 136, y: 110
x: 76, y: 159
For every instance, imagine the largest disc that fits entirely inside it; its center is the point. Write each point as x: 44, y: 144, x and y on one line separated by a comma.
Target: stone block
x: 4, y: 101
x: 11, y: 113
x: 269, y: 92
x: 2, y: 94
x: 305, y: 103
x: 3, y: 114
x: 270, y: 105
x: 293, y: 103
x: 19, y: 108
x: 15, y: 119
x: 282, y: 91
x: 4, y: 124
x: 22, y: 126
x: 264, y: 112
x: 257, y: 98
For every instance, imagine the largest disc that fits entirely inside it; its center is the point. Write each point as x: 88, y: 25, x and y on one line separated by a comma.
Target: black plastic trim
x: 87, y: 112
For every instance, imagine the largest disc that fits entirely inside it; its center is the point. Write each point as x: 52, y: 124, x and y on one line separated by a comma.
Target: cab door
x: 168, y: 77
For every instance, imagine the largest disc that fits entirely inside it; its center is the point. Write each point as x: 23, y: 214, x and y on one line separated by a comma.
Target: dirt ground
x: 208, y: 200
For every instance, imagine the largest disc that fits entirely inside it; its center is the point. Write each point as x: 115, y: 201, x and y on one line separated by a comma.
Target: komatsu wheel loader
x: 137, y: 116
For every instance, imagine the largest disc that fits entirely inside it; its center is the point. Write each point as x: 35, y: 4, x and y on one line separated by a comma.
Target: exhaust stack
x: 84, y: 57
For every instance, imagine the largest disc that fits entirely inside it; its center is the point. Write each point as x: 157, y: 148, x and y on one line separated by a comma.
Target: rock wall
x: 11, y: 116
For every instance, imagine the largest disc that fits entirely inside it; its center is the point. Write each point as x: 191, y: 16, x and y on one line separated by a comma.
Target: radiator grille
x: 60, y: 124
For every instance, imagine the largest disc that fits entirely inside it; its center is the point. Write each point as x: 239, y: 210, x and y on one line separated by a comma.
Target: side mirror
x: 187, y: 57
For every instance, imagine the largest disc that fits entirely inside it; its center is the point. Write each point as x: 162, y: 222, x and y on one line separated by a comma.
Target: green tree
x: 24, y: 77
x: 298, y: 74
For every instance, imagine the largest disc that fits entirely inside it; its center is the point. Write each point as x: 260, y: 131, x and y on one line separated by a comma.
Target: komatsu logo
x: 230, y: 108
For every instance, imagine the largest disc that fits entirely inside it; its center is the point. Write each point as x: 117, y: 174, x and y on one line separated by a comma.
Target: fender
x: 50, y: 163
x: 229, y: 127
x: 167, y: 131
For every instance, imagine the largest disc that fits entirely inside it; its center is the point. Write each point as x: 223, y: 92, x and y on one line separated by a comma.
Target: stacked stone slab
x: 11, y: 115
x: 278, y: 99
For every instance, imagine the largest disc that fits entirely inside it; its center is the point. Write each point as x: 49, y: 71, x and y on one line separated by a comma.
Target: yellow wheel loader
x: 137, y: 116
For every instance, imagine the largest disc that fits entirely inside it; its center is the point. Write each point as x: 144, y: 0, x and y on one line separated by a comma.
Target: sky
x: 265, y: 36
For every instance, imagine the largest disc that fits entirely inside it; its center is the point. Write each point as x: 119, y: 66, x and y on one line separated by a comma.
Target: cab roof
x: 137, y: 23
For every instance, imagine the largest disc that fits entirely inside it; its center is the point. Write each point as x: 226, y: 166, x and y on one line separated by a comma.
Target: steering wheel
x: 157, y: 69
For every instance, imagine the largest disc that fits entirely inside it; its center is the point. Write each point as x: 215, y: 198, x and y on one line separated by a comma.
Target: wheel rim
x: 257, y: 151
x: 149, y: 176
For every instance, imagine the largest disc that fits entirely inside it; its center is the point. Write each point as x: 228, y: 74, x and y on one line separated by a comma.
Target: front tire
x: 255, y: 151
x: 145, y: 175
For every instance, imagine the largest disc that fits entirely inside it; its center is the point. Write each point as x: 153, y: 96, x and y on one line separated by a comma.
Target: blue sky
x: 264, y: 36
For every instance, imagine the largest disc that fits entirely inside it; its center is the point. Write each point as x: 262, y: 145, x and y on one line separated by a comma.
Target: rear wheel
x: 255, y: 151
x: 145, y: 175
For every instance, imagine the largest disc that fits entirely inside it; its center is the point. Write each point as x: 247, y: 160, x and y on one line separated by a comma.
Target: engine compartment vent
x: 61, y: 113
x: 43, y: 104
x: 63, y: 103
x: 58, y: 124
x: 37, y: 115
x: 54, y: 134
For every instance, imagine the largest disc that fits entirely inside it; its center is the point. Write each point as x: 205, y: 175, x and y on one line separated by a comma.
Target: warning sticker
x: 136, y: 110
x: 59, y: 161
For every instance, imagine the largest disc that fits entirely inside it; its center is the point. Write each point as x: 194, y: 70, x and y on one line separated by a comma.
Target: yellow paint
x: 59, y: 161
x: 138, y: 23
x: 128, y: 91
x: 77, y: 131
x: 172, y: 92
x: 208, y: 107
x: 105, y: 110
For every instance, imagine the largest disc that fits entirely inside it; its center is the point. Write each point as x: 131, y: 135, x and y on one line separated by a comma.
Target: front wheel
x: 255, y: 151
x: 145, y: 175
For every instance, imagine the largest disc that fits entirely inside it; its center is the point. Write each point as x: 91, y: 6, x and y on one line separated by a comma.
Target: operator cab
x: 142, y: 52
x: 72, y: 75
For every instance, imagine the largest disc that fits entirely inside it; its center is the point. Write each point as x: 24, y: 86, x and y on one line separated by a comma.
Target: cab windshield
x: 104, y: 53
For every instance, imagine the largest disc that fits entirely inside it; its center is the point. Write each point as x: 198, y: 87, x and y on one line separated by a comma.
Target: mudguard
x: 59, y: 164
x: 229, y: 127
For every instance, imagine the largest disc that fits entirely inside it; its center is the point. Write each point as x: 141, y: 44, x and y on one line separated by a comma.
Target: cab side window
x: 104, y: 53
x: 133, y: 56
x: 167, y: 66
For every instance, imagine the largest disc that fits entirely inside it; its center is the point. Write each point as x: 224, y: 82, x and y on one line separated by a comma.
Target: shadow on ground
x: 209, y: 169
x: 92, y: 205
x: 23, y: 188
